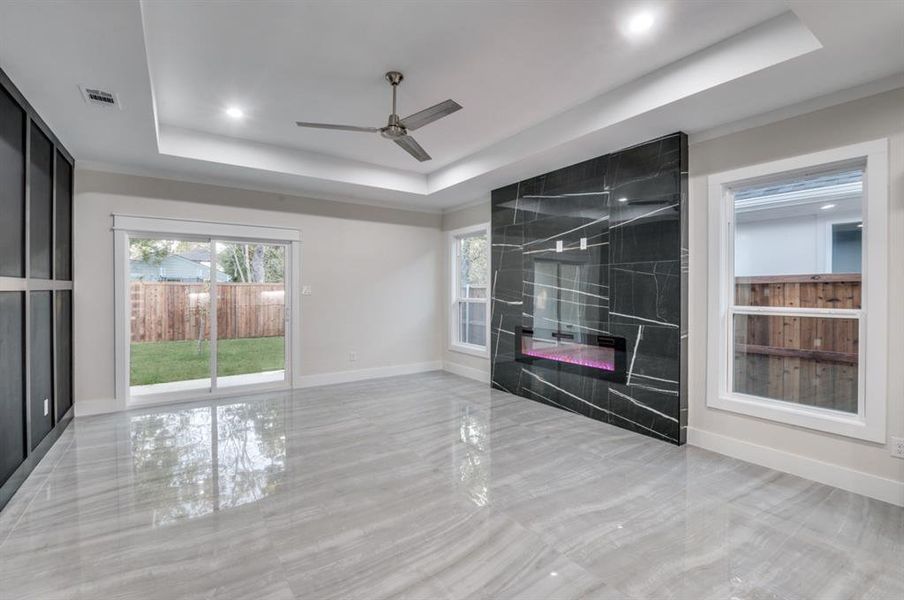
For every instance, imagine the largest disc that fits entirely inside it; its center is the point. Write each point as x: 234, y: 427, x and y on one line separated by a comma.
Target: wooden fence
x: 808, y: 360
x: 170, y: 311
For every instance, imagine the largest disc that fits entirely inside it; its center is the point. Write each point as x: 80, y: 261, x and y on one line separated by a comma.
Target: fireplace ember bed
x: 601, y: 356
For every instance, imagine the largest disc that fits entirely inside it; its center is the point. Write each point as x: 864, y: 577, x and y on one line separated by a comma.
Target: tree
x: 474, y: 257
x: 257, y: 263
x: 152, y: 252
x: 252, y: 263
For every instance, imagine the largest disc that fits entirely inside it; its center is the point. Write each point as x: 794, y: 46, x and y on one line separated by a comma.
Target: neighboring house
x: 187, y: 266
x: 197, y: 255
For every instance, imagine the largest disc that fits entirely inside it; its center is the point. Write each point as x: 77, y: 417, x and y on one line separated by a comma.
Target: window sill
x: 478, y: 351
x: 819, y: 419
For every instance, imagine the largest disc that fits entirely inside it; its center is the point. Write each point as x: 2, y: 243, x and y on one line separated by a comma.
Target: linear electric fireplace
x: 601, y: 356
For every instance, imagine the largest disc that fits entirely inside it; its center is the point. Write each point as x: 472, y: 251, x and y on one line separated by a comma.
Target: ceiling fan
x: 397, y: 129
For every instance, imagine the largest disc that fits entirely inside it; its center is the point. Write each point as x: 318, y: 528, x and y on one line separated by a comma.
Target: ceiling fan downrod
x: 394, y: 128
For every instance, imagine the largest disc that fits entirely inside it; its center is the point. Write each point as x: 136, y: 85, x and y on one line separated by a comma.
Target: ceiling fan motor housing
x: 394, y: 128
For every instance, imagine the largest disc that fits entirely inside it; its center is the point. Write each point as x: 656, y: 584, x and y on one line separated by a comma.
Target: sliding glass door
x: 169, y: 292
x: 205, y: 314
x: 251, y: 314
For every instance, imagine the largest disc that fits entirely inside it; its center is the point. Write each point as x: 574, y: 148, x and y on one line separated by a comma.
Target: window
x: 470, y: 289
x: 847, y: 247
x: 797, y: 291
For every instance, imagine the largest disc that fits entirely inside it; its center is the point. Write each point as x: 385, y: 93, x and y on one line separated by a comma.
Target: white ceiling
x: 542, y: 84
x: 511, y: 65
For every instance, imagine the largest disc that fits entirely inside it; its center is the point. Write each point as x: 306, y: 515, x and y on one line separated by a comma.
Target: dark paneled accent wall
x: 12, y: 190
x: 615, y: 228
x: 40, y: 204
x: 12, y: 375
x: 41, y: 366
x: 62, y: 226
x: 35, y: 288
x: 63, y: 351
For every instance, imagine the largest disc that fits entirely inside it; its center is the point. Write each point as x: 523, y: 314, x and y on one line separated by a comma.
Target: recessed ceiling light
x: 827, y: 206
x: 235, y: 112
x: 641, y: 23
x: 622, y: 199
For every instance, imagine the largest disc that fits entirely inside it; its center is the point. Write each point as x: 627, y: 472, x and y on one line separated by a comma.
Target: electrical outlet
x: 352, y: 356
x: 896, y: 446
x: 46, y: 406
x: 306, y: 290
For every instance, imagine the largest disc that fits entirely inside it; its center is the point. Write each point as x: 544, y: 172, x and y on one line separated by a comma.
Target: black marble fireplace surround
x: 596, y: 253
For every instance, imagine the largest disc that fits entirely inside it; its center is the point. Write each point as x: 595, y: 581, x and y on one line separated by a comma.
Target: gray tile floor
x: 426, y: 486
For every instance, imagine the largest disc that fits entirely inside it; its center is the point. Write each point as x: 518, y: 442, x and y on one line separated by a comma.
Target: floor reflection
x: 472, y: 454
x: 251, y: 452
x: 191, y: 462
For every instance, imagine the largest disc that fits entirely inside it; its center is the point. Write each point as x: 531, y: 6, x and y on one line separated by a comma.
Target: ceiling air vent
x: 99, y: 97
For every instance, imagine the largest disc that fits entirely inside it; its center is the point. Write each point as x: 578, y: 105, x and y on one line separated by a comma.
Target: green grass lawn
x: 161, y: 362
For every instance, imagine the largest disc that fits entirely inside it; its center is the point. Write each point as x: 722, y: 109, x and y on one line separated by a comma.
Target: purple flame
x: 578, y: 357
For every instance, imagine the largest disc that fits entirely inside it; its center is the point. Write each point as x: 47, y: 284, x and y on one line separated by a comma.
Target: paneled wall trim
x: 588, y: 260
x: 35, y: 288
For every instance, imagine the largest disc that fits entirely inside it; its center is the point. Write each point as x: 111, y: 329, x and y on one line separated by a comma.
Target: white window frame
x: 869, y: 422
x: 452, y: 243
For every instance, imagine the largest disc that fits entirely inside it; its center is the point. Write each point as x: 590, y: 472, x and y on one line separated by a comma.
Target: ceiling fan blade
x: 429, y: 115
x: 412, y: 147
x: 339, y: 127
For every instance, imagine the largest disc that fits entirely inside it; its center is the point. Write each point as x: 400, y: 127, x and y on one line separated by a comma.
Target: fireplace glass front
x: 600, y: 356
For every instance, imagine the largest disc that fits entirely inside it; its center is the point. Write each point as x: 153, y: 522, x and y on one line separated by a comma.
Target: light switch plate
x: 305, y: 290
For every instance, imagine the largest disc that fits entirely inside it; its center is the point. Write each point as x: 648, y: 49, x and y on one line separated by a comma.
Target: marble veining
x: 600, y: 246
x: 426, y: 486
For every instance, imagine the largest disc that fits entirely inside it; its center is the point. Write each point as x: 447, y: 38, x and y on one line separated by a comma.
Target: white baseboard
x: 304, y: 381
x: 469, y: 372
x: 85, y: 408
x: 96, y: 406
x: 873, y: 486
